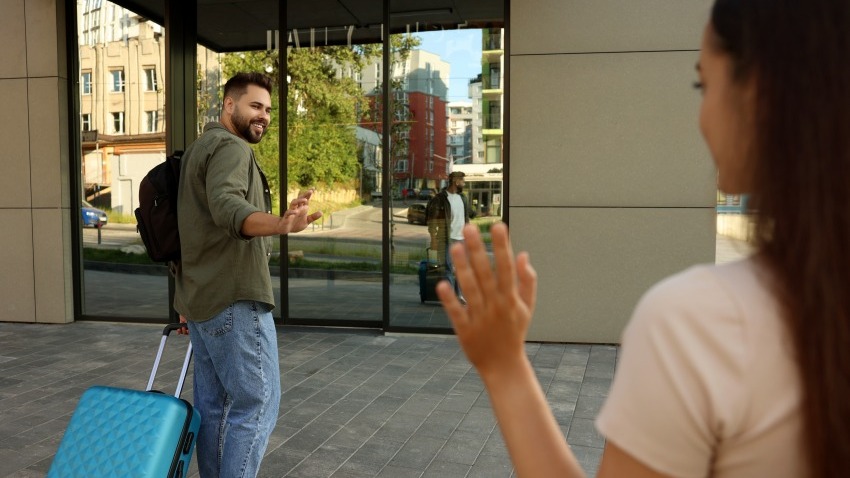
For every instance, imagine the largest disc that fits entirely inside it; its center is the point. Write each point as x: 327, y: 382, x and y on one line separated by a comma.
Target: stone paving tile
x: 376, y: 453
x: 354, y: 404
x: 583, y: 433
x: 321, y: 463
x: 462, y: 448
x: 418, y: 452
x: 399, y: 472
x: 588, y: 406
x: 441, y: 469
x: 588, y: 458
x: 487, y: 466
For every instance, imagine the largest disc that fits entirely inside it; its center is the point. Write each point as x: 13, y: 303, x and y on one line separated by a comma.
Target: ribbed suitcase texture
x: 116, y: 432
x: 122, y: 433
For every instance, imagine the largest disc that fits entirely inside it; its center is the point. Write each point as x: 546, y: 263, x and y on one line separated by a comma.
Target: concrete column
x: 36, y: 277
x: 611, y: 186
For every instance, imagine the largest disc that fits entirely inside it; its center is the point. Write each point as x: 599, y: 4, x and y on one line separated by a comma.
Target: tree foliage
x: 322, y: 113
x: 322, y: 107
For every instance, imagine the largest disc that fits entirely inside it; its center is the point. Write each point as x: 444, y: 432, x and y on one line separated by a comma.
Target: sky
x: 462, y: 50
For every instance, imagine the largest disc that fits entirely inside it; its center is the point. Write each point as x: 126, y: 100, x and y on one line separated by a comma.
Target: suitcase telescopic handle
x: 186, y: 360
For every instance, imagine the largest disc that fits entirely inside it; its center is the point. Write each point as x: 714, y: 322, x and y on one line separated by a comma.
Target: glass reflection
x: 447, y: 93
x: 334, y: 148
x: 121, y: 58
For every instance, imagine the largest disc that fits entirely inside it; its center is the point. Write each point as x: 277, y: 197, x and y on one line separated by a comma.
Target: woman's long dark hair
x: 798, y: 54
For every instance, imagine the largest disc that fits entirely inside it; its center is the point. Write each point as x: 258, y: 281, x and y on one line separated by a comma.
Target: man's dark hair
x: 238, y: 84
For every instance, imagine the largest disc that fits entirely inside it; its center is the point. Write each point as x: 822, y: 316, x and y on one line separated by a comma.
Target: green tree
x: 322, y: 110
x: 322, y: 107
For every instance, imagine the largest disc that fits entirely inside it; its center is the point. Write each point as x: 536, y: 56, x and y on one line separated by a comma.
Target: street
x: 359, y: 224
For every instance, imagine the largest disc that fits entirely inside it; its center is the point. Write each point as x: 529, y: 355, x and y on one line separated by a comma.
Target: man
x: 446, y: 214
x: 223, y: 285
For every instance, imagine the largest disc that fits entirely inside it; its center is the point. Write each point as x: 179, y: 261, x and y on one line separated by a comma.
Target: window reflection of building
x: 460, y: 132
x: 492, y: 94
x: 122, y: 101
x: 484, y: 165
x: 424, y: 77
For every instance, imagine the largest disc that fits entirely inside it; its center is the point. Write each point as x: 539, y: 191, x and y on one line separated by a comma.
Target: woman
x: 737, y: 370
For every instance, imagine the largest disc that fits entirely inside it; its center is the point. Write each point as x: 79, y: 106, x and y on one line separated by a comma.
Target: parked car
x: 92, y: 216
x: 410, y: 194
x: 427, y: 193
x: 416, y: 213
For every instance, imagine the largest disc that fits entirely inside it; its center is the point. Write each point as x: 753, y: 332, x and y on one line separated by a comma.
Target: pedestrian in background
x: 223, y: 284
x: 446, y: 214
x: 733, y: 370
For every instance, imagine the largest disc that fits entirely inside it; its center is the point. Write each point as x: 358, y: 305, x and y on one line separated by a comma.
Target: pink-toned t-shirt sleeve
x: 675, y: 392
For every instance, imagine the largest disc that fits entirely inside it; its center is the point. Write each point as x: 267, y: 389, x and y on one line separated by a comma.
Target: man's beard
x: 458, y: 188
x: 244, y: 126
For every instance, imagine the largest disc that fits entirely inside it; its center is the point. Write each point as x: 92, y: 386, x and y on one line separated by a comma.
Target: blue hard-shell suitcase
x: 116, y: 432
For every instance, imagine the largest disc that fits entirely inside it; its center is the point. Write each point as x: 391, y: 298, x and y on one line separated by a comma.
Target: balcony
x: 492, y: 124
x: 492, y: 84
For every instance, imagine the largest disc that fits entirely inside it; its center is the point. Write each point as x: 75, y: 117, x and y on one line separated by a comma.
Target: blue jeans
x: 450, y: 268
x: 236, y: 388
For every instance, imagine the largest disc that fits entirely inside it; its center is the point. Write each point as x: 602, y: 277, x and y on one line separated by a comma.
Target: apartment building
x: 418, y: 159
x: 122, y: 100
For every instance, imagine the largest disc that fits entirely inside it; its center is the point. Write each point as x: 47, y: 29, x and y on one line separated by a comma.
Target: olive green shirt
x: 220, y: 185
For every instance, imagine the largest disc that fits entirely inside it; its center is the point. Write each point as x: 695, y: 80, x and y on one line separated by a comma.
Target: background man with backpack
x: 223, y: 285
x: 446, y: 214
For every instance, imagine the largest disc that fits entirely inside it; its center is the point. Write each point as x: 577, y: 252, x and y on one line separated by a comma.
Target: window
x: 150, y: 79
x: 118, y: 122
x: 151, y: 121
x: 431, y: 166
x: 85, y: 122
x: 85, y: 83
x: 401, y: 166
x: 117, y: 85
x: 495, y: 73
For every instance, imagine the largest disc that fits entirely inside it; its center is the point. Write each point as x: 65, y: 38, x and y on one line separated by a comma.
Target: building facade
x: 610, y: 187
x: 420, y: 116
x: 492, y: 93
x: 459, y: 150
x: 122, y: 100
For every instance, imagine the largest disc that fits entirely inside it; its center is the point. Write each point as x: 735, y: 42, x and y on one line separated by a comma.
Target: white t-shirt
x: 707, y: 383
x: 456, y: 227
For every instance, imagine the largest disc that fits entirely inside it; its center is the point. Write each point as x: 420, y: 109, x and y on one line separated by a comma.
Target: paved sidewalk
x: 354, y: 404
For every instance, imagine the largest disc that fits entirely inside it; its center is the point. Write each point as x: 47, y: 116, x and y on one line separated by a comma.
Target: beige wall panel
x: 594, y: 264
x: 45, y: 38
x: 15, y: 151
x: 13, y: 54
x: 17, y: 297
x: 581, y: 26
x: 608, y: 130
x: 52, y: 261
x: 45, y: 119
